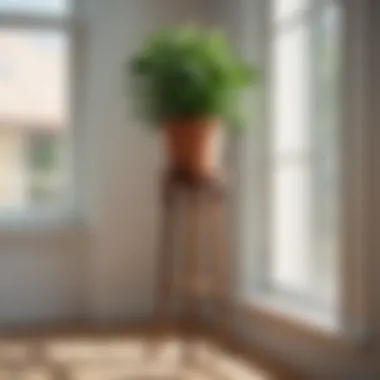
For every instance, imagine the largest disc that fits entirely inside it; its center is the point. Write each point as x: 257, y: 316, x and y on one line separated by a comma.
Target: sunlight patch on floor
x: 118, y: 359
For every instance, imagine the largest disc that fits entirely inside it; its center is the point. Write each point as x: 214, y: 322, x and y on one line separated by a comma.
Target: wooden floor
x: 120, y: 355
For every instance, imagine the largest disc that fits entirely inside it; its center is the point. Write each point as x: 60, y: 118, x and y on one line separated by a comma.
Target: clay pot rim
x: 192, y: 122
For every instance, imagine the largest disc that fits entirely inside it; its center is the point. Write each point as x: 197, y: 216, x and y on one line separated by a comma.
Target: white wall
x: 123, y: 160
x: 101, y: 267
x: 40, y: 275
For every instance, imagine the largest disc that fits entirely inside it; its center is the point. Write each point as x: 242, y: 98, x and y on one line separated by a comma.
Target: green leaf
x: 190, y: 72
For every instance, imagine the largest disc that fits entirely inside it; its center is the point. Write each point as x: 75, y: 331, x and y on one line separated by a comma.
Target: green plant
x: 190, y: 73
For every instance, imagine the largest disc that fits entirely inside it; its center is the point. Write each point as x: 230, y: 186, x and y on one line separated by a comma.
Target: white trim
x: 355, y: 260
x: 75, y: 130
x: 39, y: 220
x: 250, y: 228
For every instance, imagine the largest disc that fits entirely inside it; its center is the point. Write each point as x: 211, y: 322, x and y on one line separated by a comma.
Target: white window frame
x: 70, y: 207
x: 310, y: 16
x: 251, y: 236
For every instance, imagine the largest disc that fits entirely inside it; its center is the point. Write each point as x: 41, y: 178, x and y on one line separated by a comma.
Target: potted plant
x: 191, y: 83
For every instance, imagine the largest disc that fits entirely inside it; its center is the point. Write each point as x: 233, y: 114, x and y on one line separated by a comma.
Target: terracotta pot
x: 194, y: 146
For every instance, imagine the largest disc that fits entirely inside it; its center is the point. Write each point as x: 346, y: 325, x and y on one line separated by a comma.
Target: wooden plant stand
x: 197, y: 202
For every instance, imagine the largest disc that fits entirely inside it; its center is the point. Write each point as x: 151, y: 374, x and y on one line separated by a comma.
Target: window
x: 304, y: 148
x: 34, y: 104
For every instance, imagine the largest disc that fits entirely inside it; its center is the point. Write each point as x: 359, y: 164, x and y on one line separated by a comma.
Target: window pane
x: 290, y: 267
x: 34, y: 6
x: 287, y: 8
x: 291, y: 197
x: 33, y: 114
x: 290, y: 90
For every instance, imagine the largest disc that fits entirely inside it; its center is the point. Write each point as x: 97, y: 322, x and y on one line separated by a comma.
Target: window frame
x: 69, y: 208
x: 309, y: 16
x: 353, y: 313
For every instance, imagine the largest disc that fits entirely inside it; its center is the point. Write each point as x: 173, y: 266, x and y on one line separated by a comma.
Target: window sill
x: 50, y: 222
x: 287, y: 308
x: 278, y: 312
